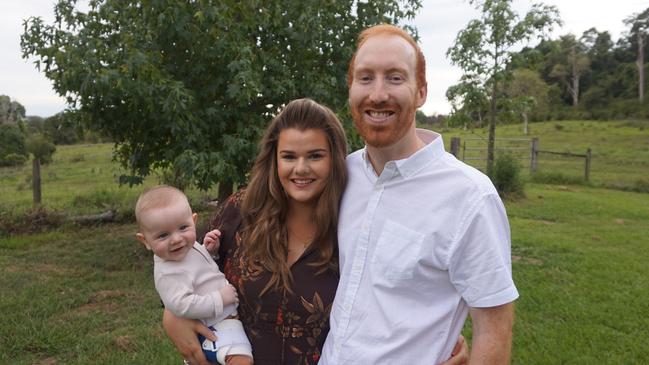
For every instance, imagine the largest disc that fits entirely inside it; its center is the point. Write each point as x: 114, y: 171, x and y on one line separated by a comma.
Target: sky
x: 438, y: 23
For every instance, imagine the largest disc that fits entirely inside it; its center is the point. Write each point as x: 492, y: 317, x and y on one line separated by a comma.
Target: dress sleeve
x: 228, y: 220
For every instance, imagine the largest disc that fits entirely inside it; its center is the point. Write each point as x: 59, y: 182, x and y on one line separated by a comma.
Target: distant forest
x: 590, y: 76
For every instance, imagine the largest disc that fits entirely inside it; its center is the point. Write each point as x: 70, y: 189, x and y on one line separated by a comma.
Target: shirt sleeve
x: 176, y: 292
x: 480, y: 261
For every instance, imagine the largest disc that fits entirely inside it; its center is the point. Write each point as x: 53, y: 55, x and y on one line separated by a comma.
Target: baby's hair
x: 157, y: 197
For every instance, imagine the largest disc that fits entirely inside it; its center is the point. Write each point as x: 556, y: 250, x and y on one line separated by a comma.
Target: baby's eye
x: 184, y: 227
x: 162, y: 235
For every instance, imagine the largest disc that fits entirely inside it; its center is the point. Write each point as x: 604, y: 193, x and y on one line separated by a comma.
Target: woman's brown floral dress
x: 283, y: 328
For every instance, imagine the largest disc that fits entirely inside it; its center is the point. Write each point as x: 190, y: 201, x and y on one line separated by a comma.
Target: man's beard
x: 383, y: 135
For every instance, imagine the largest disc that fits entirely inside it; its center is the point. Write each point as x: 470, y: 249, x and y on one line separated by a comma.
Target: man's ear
x: 194, y: 217
x: 140, y: 237
x: 422, y: 93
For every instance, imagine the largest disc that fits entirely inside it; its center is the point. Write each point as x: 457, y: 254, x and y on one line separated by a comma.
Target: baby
x: 187, y: 279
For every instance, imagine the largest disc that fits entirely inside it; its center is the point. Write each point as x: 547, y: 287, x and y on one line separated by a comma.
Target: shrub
x: 13, y: 159
x: 507, y: 177
x: 41, y: 147
x: 12, y: 142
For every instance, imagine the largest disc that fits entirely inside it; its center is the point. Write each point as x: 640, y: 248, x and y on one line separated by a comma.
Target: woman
x: 278, y: 243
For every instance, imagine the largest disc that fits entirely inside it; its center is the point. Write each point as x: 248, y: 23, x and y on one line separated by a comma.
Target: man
x: 423, y: 238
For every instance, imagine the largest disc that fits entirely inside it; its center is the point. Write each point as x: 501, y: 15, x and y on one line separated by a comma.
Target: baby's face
x: 170, y: 232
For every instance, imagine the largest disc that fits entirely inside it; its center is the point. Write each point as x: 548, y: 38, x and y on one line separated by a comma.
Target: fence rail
x: 518, y: 148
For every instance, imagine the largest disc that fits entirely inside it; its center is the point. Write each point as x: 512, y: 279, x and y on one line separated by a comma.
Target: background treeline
x: 587, y: 76
x: 18, y: 131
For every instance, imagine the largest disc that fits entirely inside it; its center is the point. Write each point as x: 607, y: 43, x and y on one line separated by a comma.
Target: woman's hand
x: 183, y: 333
x: 460, y: 353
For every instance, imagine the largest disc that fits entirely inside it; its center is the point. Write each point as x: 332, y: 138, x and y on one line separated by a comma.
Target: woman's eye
x: 316, y: 156
x: 288, y: 157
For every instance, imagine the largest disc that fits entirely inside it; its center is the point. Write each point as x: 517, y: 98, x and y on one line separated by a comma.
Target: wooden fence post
x: 587, y: 165
x: 455, y: 146
x: 534, y: 146
x: 36, y: 181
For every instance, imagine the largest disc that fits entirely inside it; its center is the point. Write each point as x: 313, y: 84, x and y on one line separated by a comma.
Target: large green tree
x: 484, y: 49
x: 190, y: 84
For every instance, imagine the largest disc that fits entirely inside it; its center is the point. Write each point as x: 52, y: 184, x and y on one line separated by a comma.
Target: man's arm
x: 492, y: 334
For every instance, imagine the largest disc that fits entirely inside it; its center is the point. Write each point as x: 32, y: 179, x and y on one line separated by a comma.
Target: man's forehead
x: 385, y: 47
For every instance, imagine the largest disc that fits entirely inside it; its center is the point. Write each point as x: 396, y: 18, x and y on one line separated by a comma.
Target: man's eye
x: 396, y: 78
x: 365, y: 78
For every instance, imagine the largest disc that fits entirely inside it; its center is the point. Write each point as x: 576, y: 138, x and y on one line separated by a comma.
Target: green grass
x: 620, y: 149
x: 580, y: 263
x: 81, y: 179
x: 80, y: 297
x: 85, y: 295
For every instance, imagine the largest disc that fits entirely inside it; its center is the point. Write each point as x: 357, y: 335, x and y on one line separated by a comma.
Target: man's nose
x: 379, y: 93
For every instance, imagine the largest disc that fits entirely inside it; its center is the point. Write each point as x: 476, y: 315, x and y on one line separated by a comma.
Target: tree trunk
x: 225, y: 190
x: 525, y: 122
x: 36, y: 181
x: 640, y: 64
x: 492, y: 129
x: 575, y: 90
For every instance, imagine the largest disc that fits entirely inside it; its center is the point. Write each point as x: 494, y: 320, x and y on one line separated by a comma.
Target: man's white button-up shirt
x: 419, y: 245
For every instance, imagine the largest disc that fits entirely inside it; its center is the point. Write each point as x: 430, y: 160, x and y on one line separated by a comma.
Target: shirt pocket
x: 397, y: 252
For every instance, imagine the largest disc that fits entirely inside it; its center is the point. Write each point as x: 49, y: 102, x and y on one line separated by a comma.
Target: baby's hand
x: 229, y: 295
x: 212, y: 241
x: 238, y: 360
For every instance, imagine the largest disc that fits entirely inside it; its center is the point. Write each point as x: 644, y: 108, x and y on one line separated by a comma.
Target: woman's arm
x: 183, y: 333
x: 460, y: 354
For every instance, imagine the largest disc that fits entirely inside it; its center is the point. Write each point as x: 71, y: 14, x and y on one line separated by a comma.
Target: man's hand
x: 183, y: 333
x: 238, y: 360
x: 460, y: 353
x: 229, y: 295
x: 492, y: 334
x: 212, y: 241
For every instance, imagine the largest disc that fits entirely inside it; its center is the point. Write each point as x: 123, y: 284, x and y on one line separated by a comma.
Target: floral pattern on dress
x: 283, y: 328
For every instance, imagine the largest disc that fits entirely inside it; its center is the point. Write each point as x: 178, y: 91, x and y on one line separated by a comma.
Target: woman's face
x: 303, y: 163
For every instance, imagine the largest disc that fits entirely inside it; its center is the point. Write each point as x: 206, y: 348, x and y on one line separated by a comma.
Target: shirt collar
x: 433, y: 149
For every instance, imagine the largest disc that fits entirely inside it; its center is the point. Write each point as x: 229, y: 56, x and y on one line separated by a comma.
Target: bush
x: 13, y: 159
x: 507, y: 177
x: 41, y: 147
x: 12, y: 142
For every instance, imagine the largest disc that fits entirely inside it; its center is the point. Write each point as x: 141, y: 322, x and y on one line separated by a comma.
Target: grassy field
x: 620, y: 150
x: 81, y: 295
x: 81, y: 179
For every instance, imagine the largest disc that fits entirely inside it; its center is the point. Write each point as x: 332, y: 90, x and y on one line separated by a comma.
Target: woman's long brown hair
x: 265, y: 204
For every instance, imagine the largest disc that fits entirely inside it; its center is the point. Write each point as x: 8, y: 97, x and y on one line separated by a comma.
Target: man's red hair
x: 388, y: 29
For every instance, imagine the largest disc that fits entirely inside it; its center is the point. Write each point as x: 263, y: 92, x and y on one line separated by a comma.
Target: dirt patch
x: 526, y: 260
x: 125, y: 343
x: 46, y: 361
x: 104, y: 295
